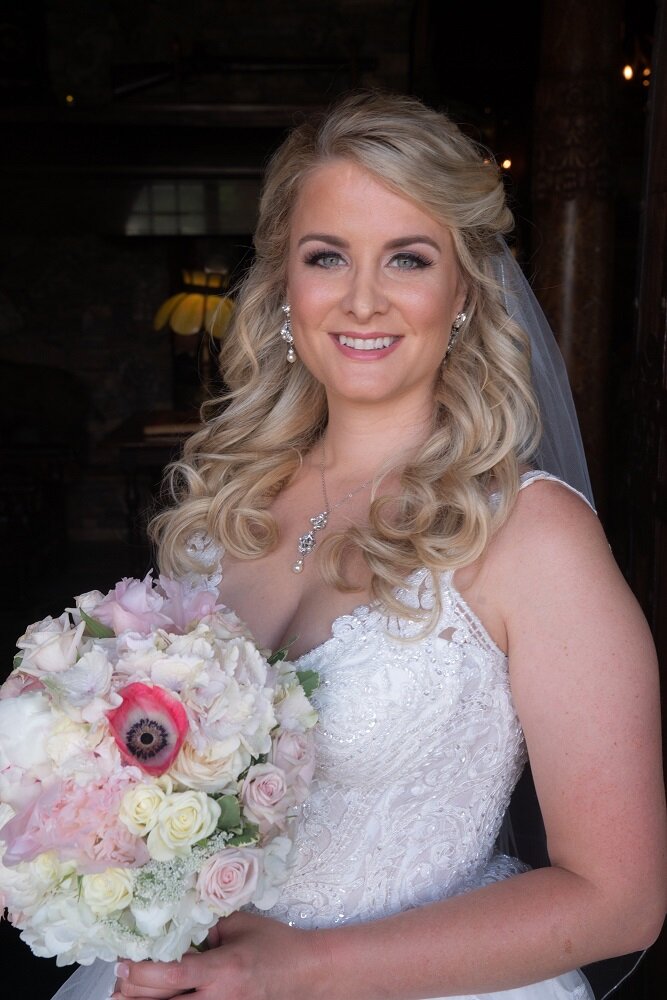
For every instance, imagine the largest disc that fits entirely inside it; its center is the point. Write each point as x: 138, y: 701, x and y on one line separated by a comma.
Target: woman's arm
x: 584, y: 680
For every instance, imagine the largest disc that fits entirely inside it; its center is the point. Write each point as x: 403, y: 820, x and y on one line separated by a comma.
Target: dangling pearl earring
x: 453, y: 337
x: 286, y: 334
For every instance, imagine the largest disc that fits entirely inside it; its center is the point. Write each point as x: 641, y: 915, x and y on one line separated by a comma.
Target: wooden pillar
x: 573, y: 208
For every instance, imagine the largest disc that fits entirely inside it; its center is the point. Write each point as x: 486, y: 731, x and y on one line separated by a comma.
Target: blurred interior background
x: 133, y: 141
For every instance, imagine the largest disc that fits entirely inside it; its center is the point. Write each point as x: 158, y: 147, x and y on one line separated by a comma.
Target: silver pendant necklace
x: 318, y: 522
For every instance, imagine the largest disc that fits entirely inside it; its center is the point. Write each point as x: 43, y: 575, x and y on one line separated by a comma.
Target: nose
x: 365, y: 295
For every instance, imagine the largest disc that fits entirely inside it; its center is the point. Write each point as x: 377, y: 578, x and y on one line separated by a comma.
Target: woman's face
x: 373, y: 286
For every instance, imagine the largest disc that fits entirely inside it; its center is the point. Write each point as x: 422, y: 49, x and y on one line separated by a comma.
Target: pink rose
x: 132, y: 606
x: 229, y: 879
x: 265, y: 797
x: 187, y: 603
x: 294, y: 753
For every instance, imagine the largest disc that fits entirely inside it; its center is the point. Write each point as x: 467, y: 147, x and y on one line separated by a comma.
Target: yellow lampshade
x: 199, y: 307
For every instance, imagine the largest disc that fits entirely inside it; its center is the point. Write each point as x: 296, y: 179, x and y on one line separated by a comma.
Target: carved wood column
x: 573, y: 209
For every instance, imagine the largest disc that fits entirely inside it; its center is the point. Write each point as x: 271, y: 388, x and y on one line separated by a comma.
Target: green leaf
x: 281, y: 654
x: 95, y: 628
x: 309, y: 680
x: 230, y: 813
x: 248, y: 836
x: 17, y: 661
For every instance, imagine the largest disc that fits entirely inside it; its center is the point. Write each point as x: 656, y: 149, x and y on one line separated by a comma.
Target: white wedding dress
x: 418, y: 751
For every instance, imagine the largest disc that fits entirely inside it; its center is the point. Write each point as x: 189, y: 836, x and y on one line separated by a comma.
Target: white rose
x: 50, y: 646
x: 108, y: 891
x: 152, y: 920
x: 49, y: 871
x: 214, y: 769
x: 139, y: 808
x: 183, y: 819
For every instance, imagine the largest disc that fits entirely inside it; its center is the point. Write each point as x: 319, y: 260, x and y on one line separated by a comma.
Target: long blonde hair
x: 485, y: 420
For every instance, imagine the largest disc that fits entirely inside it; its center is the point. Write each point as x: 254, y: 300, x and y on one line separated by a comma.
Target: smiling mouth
x: 365, y: 343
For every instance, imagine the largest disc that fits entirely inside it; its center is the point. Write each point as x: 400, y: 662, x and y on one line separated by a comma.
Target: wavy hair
x: 485, y: 420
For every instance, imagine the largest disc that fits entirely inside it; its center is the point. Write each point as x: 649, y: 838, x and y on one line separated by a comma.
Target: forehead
x: 343, y: 193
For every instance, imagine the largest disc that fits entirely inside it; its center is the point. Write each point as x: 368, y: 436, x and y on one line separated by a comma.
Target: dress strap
x: 536, y: 475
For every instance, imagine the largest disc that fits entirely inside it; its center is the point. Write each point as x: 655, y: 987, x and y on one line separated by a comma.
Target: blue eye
x: 410, y: 261
x: 324, y: 258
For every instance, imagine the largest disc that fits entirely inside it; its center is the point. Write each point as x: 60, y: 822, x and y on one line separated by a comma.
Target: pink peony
x: 80, y: 822
x: 132, y: 606
x: 149, y: 727
x: 229, y: 879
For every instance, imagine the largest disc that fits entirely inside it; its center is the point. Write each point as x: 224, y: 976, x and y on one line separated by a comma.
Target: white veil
x: 561, y: 451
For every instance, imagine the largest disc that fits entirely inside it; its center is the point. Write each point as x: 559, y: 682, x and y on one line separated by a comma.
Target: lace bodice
x: 418, y: 750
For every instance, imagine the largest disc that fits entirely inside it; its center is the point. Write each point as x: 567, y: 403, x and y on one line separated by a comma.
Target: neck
x: 366, y: 438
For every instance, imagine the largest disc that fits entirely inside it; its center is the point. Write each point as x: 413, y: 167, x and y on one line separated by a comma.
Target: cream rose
x: 265, y: 797
x: 294, y: 753
x: 214, y: 769
x: 229, y: 879
x: 108, y: 891
x: 183, y: 819
x: 139, y: 808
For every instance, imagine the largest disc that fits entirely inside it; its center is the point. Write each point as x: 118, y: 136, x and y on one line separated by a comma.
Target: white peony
x: 293, y: 710
x: 26, y: 724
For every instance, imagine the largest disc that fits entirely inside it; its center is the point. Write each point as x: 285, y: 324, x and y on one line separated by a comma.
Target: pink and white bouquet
x: 152, y: 760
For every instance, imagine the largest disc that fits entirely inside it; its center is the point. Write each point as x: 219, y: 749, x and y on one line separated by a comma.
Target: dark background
x: 133, y: 141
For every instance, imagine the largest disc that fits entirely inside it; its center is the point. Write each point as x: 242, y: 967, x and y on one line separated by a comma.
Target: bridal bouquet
x: 151, y: 761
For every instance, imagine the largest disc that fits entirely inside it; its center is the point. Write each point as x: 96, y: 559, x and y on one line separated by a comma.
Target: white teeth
x: 368, y: 344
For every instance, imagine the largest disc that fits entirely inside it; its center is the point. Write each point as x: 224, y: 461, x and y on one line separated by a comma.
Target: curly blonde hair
x: 485, y: 420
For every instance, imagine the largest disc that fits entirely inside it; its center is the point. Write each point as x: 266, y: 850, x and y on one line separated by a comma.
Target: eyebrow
x: 401, y: 241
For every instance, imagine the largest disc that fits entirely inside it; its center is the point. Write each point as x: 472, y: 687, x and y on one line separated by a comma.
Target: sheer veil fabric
x: 561, y: 451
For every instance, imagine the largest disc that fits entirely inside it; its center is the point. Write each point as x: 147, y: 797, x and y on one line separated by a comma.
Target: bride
x: 379, y: 466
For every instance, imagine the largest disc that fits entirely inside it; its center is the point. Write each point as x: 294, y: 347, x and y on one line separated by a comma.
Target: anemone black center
x: 146, y: 738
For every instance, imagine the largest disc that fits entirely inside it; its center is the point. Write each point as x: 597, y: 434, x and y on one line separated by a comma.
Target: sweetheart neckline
x: 374, y: 609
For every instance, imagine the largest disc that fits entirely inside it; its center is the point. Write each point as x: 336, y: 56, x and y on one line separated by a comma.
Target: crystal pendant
x: 306, y: 543
x: 320, y: 520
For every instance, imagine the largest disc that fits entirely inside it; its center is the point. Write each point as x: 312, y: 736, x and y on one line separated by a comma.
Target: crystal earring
x: 453, y: 337
x: 286, y: 334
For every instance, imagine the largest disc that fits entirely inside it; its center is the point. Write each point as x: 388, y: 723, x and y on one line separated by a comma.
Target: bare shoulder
x: 584, y: 680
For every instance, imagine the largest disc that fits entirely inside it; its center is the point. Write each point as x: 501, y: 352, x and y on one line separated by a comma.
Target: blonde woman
x: 373, y: 493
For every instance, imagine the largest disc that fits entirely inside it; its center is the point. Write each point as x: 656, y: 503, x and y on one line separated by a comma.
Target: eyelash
x: 317, y: 257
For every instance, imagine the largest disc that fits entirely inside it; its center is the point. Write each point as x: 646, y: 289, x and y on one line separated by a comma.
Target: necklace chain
x: 318, y: 522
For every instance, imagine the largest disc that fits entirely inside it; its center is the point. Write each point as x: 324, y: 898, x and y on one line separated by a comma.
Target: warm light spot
x: 646, y: 71
x: 506, y: 164
x: 69, y: 98
x: 645, y: 83
x: 628, y: 72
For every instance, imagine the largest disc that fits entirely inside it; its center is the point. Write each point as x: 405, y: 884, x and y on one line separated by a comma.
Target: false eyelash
x: 417, y: 257
x: 317, y: 255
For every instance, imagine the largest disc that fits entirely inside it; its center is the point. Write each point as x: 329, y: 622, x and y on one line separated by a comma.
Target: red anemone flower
x: 149, y: 727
